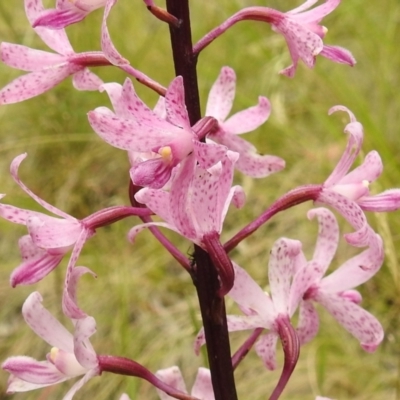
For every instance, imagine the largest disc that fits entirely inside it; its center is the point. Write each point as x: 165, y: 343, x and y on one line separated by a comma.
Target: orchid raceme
x: 300, y: 27
x: 71, y: 355
x: 50, y: 238
x: 334, y: 292
x: 219, y: 104
x: 202, y: 387
x: 136, y: 128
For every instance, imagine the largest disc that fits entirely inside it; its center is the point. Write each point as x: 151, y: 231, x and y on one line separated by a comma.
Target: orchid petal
x: 280, y: 272
x: 27, y: 59
x: 171, y: 376
x: 107, y: 45
x: 30, y: 85
x: 266, y: 349
x: 14, y: 172
x: 83, y: 349
x: 357, y: 270
x: 250, y: 163
x: 35, y: 267
x: 86, y: 80
x: 360, y: 323
x: 338, y: 54
x: 128, y: 134
x: 157, y: 201
x: 45, y: 325
x: 328, y: 236
x: 308, y: 325
x: 248, y: 295
x: 389, y: 200
x: 89, y: 375
x: 356, y: 134
x: 175, y: 104
x: 369, y: 170
x: 317, y: 13
x: 222, y: 93
x: 248, y: 120
x: 30, y: 371
x: 202, y: 387
x: 57, y: 40
x: 52, y: 233
x: 70, y: 292
x: 70, y: 308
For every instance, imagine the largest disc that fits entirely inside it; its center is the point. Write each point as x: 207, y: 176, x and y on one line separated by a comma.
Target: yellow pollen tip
x: 53, y: 353
x: 365, y: 183
x: 165, y: 152
x: 325, y: 30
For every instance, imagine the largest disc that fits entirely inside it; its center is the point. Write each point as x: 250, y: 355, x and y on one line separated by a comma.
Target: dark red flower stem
x: 296, y: 196
x: 204, y: 274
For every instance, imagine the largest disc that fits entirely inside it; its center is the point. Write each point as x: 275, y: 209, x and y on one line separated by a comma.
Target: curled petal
x: 328, y: 236
x: 14, y: 173
x: 360, y: 323
x: 106, y: 44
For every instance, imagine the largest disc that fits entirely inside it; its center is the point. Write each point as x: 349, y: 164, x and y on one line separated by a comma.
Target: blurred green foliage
x: 144, y: 304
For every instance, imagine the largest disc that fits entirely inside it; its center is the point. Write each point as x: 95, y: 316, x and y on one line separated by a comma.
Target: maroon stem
x: 296, y: 196
x: 245, y: 347
x: 204, y: 273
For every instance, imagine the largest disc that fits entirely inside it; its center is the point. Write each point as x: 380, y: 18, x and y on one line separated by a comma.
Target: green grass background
x: 144, y: 304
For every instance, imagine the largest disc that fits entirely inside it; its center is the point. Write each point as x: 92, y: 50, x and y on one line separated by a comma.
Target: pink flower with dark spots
x: 335, y: 291
x: 164, y: 134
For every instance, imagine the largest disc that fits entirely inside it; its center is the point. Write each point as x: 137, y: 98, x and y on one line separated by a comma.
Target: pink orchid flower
x: 136, y: 128
x: 303, y: 34
x: 219, y: 104
x: 71, y: 355
x: 50, y: 238
x: 47, y: 69
x: 68, y: 12
x: 335, y: 291
x: 198, y: 200
x: 348, y: 192
x: 262, y: 310
x: 300, y: 27
x: 202, y: 388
